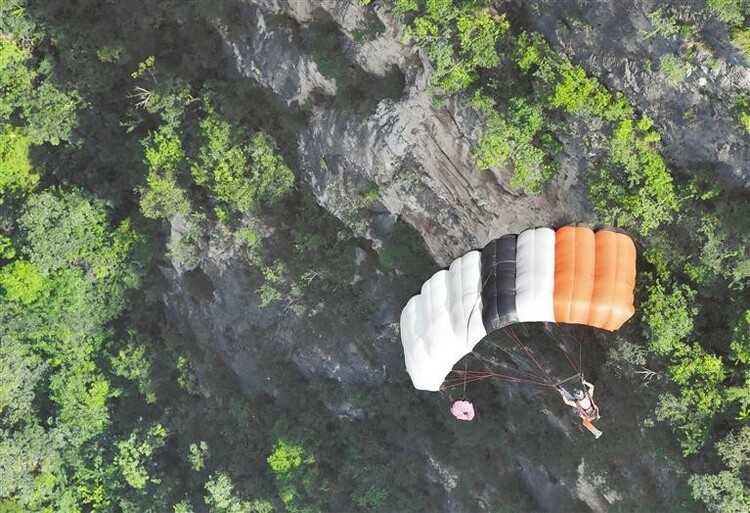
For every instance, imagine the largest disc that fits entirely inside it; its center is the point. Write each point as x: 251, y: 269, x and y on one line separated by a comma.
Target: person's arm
x: 589, y: 388
x: 566, y: 397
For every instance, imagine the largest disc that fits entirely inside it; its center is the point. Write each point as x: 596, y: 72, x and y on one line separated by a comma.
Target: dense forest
x: 131, y: 150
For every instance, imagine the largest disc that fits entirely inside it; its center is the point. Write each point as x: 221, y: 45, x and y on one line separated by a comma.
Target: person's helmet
x: 578, y: 394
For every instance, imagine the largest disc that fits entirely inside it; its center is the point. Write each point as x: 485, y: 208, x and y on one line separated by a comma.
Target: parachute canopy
x: 571, y: 275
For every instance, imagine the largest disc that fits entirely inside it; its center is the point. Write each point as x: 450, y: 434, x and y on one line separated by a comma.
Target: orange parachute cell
x: 612, y: 298
x: 575, y: 256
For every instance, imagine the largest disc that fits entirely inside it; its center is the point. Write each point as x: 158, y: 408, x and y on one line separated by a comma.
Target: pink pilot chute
x: 463, y: 410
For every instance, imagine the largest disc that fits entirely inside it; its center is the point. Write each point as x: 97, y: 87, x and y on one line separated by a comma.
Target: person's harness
x: 590, y: 413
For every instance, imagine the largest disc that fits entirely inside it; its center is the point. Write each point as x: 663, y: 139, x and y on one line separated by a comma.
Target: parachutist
x: 571, y: 275
x: 582, y: 399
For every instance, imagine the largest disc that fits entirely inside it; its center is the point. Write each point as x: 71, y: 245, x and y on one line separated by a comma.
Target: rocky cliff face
x: 610, y: 40
x: 377, y: 150
x: 416, y: 154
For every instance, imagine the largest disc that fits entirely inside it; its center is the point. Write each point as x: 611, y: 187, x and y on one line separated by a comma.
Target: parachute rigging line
x: 491, y: 373
x: 516, y: 338
x: 529, y: 373
x: 577, y: 366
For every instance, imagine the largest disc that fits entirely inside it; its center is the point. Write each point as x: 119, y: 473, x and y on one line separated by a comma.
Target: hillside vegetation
x: 119, y: 120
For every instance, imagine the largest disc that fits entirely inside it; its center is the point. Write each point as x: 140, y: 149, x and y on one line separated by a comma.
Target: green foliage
x: 81, y: 393
x: 535, y: 56
x: 725, y: 491
x: 221, y: 498
x: 163, y: 150
x: 661, y: 25
x: 275, y: 277
x: 186, y: 378
x: 732, y: 12
x: 287, y: 456
x: 168, y: 98
x: 16, y: 172
x: 515, y: 139
x: 625, y: 355
x: 114, y: 52
x: 635, y: 188
x: 579, y: 94
x: 478, y: 34
x: 48, y: 112
x: 241, y: 176
x: 21, y: 281
x: 741, y: 105
x: 373, y: 499
x: 16, y: 78
x: 51, y: 114
x: 740, y: 355
x: 740, y: 344
x: 163, y: 197
x: 401, y: 7
x: 460, y: 41
x: 20, y: 371
x: 134, y: 453
x: 741, y: 40
x: 668, y: 315
x: 197, y: 455
x: 7, y: 250
x: 271, y: 177
x: 68, y: 281
x: 714, y: 253
x: 297, y: 476
x: 134, y: 362
x: 183, y: 506
x: 674, y: 68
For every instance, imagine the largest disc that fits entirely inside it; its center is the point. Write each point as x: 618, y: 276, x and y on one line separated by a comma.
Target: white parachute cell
x: 444, y: 322
x: 535, y: 275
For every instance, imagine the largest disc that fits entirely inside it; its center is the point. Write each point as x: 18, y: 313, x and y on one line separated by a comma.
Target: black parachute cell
x: 499, y: 283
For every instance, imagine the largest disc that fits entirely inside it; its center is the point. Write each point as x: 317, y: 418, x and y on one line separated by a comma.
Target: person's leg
x: 588, y: 425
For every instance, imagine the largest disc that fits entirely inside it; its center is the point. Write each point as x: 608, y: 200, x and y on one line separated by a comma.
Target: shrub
x: 577, y: 93
x: 741, y: 106
x: 741, y: 40
x: 668, y: 315
x: 517, y: 139
x: 662, y: 25
x: 674, y: 68
x: 732, y: 12
x: 635, y: 188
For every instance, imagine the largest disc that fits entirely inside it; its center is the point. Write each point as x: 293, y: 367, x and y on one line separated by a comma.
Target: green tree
x: 579, y: 94
x: 21, y: 281
x: 162, y: 197
x: 515, y: 139
x: 16, y: 171
x: 739, y: 347
x: 726, y: 491
x: 741, y: 40
x: 732, y: 12
x: 668, y: 316
x: 241, y: 176
x: 221, y: 498
x: 134, y: 453
x: 16, y: 78
x: 634, y: 188
x: 134, y: 362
